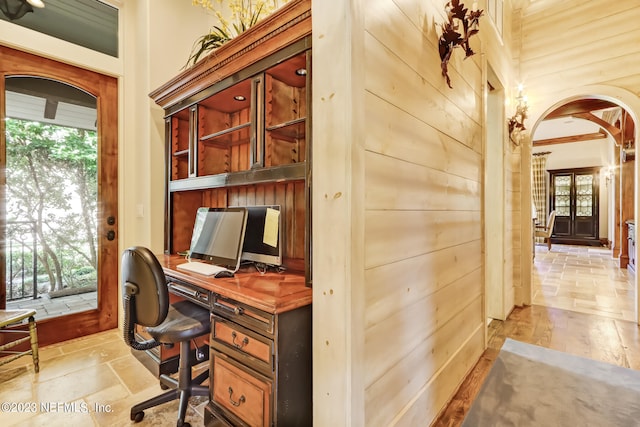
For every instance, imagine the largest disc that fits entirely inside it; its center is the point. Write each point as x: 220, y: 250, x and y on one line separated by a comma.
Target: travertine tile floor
x: 90, y: 381
x: 583, y: 279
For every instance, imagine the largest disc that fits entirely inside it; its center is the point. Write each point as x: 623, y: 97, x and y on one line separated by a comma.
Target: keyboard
x: 203, y: 268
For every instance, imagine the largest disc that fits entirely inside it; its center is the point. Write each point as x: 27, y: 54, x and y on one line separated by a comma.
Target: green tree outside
x: 52, y: 181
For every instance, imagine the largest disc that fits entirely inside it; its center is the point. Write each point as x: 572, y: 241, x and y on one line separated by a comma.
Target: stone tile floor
x: 583, y: 279
x: 89, y: 381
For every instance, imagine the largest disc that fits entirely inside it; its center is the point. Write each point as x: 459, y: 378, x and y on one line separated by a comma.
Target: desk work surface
x: 272, y: 292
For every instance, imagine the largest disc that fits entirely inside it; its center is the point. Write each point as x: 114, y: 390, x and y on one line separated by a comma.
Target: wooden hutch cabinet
x: 238, y: 133
x: 244, y: 141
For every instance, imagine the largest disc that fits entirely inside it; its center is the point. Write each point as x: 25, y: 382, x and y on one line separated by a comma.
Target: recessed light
x: 239, y: 98
x: 301, y: 71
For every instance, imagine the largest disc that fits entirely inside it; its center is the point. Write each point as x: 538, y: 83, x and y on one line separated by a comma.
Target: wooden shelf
x: 290, y: 172
x: 225, y: 132
x: 181, y: 153
x: 291, y: 130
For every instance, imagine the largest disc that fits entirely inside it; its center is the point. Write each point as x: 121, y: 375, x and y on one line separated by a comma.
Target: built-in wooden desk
x: 271, y: 292
x: 260, y: 344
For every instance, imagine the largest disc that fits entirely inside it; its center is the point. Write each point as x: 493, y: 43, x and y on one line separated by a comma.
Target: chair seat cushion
x: 185, y: 320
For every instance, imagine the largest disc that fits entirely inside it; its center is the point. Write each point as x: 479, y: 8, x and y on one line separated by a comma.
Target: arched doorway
x: 581, y: 103
x: 34, y: 71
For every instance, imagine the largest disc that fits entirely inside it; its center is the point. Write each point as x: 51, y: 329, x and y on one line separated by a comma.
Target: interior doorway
x: 574, y: 196
x: 69, y: 169
x: 596, y: 133
x: 498, y: 299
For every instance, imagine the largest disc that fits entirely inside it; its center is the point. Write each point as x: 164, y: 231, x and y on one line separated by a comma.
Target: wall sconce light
x: 608, y: 173
x: 516, y: 122
x: 457, y: 14
x: 16, y: 9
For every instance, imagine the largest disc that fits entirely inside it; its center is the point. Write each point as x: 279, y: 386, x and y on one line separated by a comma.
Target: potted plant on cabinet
x: 242, y: 15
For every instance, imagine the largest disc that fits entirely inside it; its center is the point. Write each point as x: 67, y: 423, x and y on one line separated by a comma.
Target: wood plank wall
x: 290, y: 196
x: 512, y: 224
x: 579, y: 43
x: 398, y: 178
x: 424, y: 283
x: 423, y: 167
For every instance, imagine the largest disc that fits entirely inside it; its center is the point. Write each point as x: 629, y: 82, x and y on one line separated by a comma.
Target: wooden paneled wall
x: 579, y: 43
x: 289, y: 195
x: 399, y: 315
x: 424, y: 283
x: 513, y: 234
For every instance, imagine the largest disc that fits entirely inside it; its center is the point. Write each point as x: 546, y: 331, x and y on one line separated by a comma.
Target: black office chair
x: 146, y: 303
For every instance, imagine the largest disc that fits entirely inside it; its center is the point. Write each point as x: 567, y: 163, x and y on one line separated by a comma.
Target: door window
x: 562, y: 195
x: 51, y: 196
x: 59, y: 149
x: 584, y: 195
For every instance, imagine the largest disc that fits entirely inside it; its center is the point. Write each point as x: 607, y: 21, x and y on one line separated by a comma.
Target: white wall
x: 159, y: 35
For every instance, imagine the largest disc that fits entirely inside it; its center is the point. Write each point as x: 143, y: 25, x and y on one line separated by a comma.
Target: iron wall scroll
x: 451, y: 36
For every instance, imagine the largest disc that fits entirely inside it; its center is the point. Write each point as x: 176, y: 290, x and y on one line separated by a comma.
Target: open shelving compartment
x: 244, y: 141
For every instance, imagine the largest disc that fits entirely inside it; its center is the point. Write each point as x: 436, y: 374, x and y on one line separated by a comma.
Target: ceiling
x: 584, y: 119
x: 49, y: 101
x: 88, y: 23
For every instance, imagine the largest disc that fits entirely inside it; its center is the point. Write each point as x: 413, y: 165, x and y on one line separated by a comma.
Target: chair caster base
x: 137, y: 417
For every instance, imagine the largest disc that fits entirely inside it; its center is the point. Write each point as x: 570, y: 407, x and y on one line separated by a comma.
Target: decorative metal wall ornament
x: 16, y: 9
x: 516, y: 122
x: 451, y: 37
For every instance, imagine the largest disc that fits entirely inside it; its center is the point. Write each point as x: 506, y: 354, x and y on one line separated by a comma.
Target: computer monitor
x: 218, y: 234
x: 263, y: 237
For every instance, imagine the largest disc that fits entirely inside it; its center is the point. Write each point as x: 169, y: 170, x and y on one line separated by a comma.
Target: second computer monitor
x: 263, y: 236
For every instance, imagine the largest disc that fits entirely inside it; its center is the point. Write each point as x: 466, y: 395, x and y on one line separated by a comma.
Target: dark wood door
x: 574, y: 197
x: 105, y: 90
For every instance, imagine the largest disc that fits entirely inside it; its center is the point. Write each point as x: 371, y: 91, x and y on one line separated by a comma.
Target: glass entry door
x: 59, y: 195
x: 574, y: 197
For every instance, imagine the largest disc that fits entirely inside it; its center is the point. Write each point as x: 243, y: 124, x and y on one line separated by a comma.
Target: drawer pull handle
x: 244, y: 342
x: 234, y: 403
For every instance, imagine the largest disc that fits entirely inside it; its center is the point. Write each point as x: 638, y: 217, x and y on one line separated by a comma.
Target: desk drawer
x: 250, y: 317
x: 193, y: 293
x: 256, y: 350
x: 241, y: 392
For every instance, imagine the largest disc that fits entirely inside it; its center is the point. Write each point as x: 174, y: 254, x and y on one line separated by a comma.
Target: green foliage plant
x: 52, y: 182
x: 244, y: 15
